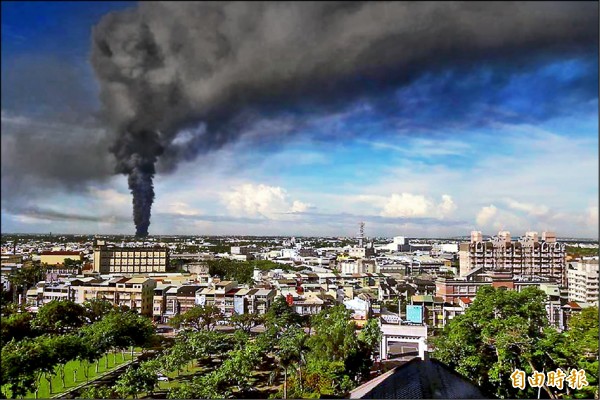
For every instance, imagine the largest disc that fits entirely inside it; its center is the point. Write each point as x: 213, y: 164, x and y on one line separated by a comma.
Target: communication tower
x: 361, y: 234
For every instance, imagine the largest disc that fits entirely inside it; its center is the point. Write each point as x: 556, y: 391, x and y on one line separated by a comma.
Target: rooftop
x: 417, y: 379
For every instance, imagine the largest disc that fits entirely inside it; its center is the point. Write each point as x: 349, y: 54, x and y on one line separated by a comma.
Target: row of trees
x: 55, y: 317
x: 28, y: 356
x: 505, y: 330
x: 329, y: 359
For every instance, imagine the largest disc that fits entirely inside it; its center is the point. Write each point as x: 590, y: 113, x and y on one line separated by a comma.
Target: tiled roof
x: 573, y: 304
x: 417, y: 379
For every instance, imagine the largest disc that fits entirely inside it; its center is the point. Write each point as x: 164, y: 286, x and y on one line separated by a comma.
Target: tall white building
x: 582, y: 278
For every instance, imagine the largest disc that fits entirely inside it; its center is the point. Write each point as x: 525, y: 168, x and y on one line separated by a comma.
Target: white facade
x: 289, y: 253
x: 359, y: 307
x: 582, y: 278
x: 351, y: 267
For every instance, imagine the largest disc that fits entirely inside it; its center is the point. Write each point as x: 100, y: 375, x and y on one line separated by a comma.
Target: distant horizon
x: 465, y: 236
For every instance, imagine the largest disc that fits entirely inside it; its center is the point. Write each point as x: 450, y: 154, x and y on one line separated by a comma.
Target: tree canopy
x: 506, y: 330
x: 59, y: 316
x: 198, y: 318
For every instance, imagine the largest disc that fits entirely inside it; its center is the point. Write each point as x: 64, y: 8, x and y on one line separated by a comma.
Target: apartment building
x: 582, y: 278
x: 527, y: 256
x: 159, y: 301
x: 134, y: 293
x: 129, y: 260
x: 179, y: 299
x: 433, y: 309
x: 45, y: 292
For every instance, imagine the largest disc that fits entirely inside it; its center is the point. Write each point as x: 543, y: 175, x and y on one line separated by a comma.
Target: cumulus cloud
x: 298, y: 206
x: 447, y: 206
x: 261, y: 200
x: 414, y: 205
x: 486, y: 214
x: 406, y: 205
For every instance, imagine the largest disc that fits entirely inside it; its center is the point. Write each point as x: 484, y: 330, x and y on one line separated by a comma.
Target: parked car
x: 161, y: 377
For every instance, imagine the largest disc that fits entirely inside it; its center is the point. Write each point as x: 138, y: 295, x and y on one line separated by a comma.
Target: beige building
x: 582, y: 278
x: 135, y: 293
x: 59, y: 257
x: 129, y: 260
x: 528, y: 256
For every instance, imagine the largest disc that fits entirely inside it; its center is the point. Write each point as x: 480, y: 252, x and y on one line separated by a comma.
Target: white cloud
x: 298, y: 206
x: 260, y: 200
x: 447, y: 206
x: 486, y: 214
x: 183, y: 209
x: 414, y: 205
x: 531, y: 209
x: 406, y: 205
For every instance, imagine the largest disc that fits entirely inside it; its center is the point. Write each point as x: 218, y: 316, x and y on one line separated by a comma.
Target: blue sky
x: 453, y: 151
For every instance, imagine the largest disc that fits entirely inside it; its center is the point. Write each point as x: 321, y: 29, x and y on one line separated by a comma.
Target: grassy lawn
x: 70, y: 367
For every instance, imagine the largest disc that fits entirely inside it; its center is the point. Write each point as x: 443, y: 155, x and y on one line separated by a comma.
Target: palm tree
x: 283, y: 362
x: 302, y: 349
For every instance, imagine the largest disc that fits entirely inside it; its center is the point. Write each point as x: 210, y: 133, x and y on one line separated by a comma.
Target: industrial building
x: 129, y: 260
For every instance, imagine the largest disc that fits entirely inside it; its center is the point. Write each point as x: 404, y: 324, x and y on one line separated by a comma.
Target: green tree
x: 98, y: 392
x: 198, y: 318
x: 501, y: 331
x: 96, y: 309
x: 24, y: 363
x: 59, y: 316
x: 18, y: 364
x: 16, y: 326
x: 66, y: 348
x: 121, y: 330
x: 246, y: 322
x: 370, y: 334
x: 335, y: 336
x: 135, y: 380
x: 26, y: 277
x: 291, y: 350
x: 582, y: 340
x: 281, y: 316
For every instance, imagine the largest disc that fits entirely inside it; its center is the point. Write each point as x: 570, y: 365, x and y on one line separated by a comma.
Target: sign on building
x: 414, y: 314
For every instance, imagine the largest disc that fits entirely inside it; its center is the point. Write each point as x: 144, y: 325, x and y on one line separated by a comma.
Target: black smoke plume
x: 203, y: 68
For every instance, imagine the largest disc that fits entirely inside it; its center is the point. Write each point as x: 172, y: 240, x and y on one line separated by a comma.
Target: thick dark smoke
x: 203, y: 68
x: 137, y: 153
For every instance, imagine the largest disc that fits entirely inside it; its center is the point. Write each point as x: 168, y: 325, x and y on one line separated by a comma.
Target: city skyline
x: 484, y: 146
